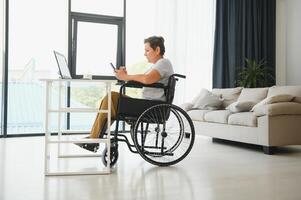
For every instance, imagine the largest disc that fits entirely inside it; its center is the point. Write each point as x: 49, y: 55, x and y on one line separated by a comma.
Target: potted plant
x: 255, y: 74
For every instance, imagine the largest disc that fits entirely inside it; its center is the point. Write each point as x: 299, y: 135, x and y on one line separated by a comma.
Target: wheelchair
x: 162, y: 133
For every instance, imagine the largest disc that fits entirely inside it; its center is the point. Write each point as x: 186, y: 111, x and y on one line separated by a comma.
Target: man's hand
x: 121, y: 74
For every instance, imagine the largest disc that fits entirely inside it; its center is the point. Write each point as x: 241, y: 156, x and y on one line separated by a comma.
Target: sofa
x: 269, y: 117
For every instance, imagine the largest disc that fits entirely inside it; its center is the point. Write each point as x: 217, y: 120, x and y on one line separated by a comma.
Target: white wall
x: 288, y: 42
x: 281, y: 42
x: 293, y: 39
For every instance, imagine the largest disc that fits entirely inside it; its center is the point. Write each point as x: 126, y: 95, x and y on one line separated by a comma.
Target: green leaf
x: 254, y: 74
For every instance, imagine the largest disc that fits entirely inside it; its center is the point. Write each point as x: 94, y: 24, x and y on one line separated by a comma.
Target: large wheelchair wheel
x: 163, y: 134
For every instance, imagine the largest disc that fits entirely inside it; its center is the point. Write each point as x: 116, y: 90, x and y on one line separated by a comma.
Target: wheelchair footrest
x: 158, y: 154
x: 153, y: 147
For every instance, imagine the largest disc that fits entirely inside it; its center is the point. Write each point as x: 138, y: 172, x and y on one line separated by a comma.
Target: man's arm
x: 149, y: 78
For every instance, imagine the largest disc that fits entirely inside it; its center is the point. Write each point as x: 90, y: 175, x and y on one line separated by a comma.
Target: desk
x: 60, y: 139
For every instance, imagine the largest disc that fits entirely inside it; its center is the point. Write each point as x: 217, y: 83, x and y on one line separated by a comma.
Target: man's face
x: 151, y: 54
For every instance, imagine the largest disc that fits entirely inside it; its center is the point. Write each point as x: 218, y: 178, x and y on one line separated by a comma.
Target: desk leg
x: 109, y: 126
x: 59, y: 131
x: 47, y: 124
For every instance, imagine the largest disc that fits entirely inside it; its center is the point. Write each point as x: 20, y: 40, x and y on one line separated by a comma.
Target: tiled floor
x: 211, y: 171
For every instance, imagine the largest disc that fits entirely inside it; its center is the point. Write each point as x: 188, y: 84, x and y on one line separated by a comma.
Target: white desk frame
x: 60, y: 110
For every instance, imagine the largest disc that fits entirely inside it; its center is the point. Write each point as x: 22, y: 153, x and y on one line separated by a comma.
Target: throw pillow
x: 253, y: 94
x: 241, y: 106
x: 274, y: 99
x: 294, y: 90
x: 229, y: 95
x: 207, y: 101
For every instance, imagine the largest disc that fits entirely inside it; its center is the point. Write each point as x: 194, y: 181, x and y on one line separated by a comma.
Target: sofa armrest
x: 281, y: 108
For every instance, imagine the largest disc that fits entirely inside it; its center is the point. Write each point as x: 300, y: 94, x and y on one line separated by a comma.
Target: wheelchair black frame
x: 169, y: 90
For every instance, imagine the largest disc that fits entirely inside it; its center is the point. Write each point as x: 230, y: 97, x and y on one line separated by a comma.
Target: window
x: 97, y: 41
x: 36, y: 28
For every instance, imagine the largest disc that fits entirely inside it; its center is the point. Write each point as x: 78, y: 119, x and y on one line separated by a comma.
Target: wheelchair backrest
x: 171, y: 86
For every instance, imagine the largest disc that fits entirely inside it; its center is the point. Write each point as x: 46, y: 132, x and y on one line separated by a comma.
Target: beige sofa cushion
x: 217, y: 116
x: 253, y: 94
x: 197, y: 115
x: 282, y: 108
x: 292, y: 90
x: 229, y: 95
x: 243, y: 119
x: 274, y: 99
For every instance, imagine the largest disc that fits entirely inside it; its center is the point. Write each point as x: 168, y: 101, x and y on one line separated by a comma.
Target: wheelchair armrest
x: 136, y: 84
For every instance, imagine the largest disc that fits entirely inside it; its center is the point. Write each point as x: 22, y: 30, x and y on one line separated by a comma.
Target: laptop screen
x: 62, y: 65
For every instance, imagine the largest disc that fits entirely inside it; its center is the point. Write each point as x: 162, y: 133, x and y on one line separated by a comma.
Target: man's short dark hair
x: 156, y: 41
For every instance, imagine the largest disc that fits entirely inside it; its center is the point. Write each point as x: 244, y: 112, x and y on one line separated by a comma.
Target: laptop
x: 62, y: 65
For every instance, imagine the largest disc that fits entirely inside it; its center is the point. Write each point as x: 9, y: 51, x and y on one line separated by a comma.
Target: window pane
x: 100, y: 7
x: 96, y: 48
x: 1, y: 55
x: 35, y: 31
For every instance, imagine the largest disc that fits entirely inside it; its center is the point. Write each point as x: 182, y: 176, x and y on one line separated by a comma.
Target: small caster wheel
x: 114, y: 156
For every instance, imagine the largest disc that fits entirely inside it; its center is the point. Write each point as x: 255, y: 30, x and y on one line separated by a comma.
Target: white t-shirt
x: 164, y: 67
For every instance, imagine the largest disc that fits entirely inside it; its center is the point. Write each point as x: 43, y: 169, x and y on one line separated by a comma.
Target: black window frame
x: 101, y: 19
x: 3, y: 131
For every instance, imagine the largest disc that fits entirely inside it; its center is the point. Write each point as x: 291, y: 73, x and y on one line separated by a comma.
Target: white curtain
x: 188, y: 29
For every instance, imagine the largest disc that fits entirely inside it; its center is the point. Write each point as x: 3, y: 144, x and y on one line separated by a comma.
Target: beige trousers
x: 101, y: 118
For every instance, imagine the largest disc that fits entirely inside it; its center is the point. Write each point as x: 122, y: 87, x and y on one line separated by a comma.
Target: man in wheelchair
x: 155, y: 134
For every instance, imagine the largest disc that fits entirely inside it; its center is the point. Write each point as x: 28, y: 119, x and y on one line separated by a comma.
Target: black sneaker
x: 93, y: 147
